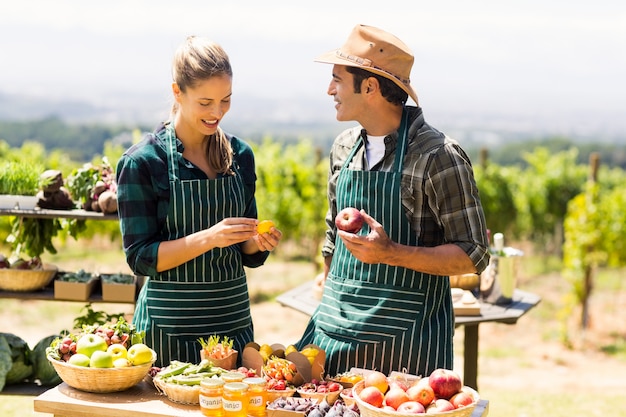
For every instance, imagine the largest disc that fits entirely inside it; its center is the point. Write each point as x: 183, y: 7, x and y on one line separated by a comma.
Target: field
x: 524, y: 370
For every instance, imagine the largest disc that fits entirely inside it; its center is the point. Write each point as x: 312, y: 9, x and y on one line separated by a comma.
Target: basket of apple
x: 441, y: 393
x: 102, y: 358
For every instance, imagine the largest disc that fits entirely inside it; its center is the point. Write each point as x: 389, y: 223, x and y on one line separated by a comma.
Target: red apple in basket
x: 372, y: 396
x: 395, y: 397
x: 445, y: 383
x: 439, y: 405
x: 461, y: 399
x: 376, y: 379
x: 411, y: 407
x: 422, y: 393
x: 349, y: 220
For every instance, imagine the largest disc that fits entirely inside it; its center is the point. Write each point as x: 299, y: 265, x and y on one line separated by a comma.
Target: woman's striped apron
x: 376, y: 316
x: 206, y: 295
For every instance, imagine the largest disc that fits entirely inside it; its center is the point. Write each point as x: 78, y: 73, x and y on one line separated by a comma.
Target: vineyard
x: 570, y: 210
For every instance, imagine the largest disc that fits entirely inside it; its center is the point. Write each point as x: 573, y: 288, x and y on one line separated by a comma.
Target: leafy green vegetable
x: 6, y: 362
x: 118, y: 278
x: 78, y: 276
x: 21, y: 368
x: 19, y: 178
x: 42, y: 368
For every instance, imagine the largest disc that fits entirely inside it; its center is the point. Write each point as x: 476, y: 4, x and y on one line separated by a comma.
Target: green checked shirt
x: 144, y: 196
x: 439, y: 193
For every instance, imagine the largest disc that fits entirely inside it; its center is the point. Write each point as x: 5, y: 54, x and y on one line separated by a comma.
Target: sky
x: 534, y: 59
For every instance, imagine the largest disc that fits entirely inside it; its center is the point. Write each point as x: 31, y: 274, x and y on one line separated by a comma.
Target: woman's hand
x: 267, y: 241
x: 232, y: 230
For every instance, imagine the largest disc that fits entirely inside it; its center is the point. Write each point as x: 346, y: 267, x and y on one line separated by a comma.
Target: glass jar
x: 211, y: 391
x: 257, y: 396
x: 233, y: 376
x: 235, y: 399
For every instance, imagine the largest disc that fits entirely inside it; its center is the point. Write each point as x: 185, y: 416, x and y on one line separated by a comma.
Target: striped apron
x: 376, y: 316
x: 206, y: 295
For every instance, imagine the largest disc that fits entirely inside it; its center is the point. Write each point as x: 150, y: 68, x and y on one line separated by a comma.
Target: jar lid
x: 233, y: 376
x: 256, y: 381
x: 236, y: 387
x: 211, y: 383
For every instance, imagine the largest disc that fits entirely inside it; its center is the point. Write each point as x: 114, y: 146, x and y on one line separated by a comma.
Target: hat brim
x: 332, y: 57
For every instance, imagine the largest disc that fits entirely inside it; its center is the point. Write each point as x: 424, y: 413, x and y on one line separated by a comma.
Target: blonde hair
x: 198, y: 59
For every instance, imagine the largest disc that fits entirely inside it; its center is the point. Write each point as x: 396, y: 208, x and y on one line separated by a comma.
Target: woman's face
x: 202, y: 107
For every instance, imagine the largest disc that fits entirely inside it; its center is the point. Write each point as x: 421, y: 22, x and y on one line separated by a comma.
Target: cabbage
x: 21, y: 368
x: 42, y: 368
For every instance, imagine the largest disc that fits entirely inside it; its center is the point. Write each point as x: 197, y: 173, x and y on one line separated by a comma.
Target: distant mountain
x: 314, y: 118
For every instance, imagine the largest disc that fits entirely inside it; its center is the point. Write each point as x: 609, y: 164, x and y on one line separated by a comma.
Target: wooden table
x: 141, y: 400
x: 302, y: 298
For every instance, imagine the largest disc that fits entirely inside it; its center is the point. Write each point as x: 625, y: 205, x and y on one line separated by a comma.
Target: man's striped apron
x: 206, y: 295
x: 376, y: 316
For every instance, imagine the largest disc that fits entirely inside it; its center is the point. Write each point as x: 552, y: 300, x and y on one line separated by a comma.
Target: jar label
x: 256, y: 401
x: 232, y: 406
x: 211, y: 403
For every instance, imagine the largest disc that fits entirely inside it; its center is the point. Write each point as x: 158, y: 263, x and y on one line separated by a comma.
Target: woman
x: 188, y: 214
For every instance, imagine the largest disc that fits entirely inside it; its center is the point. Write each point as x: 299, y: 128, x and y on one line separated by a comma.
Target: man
x: 386, y: 303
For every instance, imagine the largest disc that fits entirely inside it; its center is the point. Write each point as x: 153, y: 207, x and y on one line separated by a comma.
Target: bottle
x: 257, y: 396
x: 235, y: 399
x: 211, y: 391
x: 498, y: 244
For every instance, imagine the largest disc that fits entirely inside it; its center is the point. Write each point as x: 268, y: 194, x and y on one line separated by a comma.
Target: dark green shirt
x: 144, y: 196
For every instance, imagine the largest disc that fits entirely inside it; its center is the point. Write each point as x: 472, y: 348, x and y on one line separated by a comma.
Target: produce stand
x: 142, y: 400
x: 302, y: 298
x: 55, y: 214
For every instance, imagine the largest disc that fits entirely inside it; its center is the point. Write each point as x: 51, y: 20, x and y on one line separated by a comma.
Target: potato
x: 108, y: 202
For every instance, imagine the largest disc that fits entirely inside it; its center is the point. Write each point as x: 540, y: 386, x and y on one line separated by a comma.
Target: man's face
x: 350, y: 105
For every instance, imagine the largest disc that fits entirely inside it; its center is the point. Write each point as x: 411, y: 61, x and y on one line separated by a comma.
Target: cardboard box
x: 118, y: 292
x: 306, y: 370
x: 279, y: 412
x: 74, y: 291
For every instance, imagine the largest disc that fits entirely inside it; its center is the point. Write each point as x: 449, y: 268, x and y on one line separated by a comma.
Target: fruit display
x: 441, y: 392
x: 349, y: 220
x: 285, y: 367
x: 119, y: 344
x: 320, y: 390
x: 347, y: 379
x: 101, y: 358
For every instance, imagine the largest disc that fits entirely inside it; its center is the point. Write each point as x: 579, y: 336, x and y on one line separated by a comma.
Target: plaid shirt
x: 144, y: 196
x: 439, y: 193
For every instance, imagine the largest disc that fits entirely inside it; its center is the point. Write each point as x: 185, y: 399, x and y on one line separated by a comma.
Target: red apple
x: 461, y: 399
x: 372, y: 396
x: 445, y: 383
x: 376, y: 379
x: 422, y: 393
x: 349, y: 220
x: 399, y: 383
x: 439, y: 405
x: 395, y: 396
x: 411, y: 407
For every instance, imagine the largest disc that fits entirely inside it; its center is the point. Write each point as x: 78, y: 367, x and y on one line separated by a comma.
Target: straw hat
x: 377, y: 51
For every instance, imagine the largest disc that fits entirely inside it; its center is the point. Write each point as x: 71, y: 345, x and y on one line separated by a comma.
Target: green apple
x: 79, y: 359
x: 101, y: 359
x: 139, y: 353
x: 90, y: 343
x: 118, y: 351
x: 121, y: 363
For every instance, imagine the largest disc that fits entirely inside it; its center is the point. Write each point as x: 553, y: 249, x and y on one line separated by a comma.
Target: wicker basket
x: 367, y: 410
x: 274, y: 394
x: 330, y: 397
x: 26, y: 280
x: 181, y: 394
x: 100, y: 380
